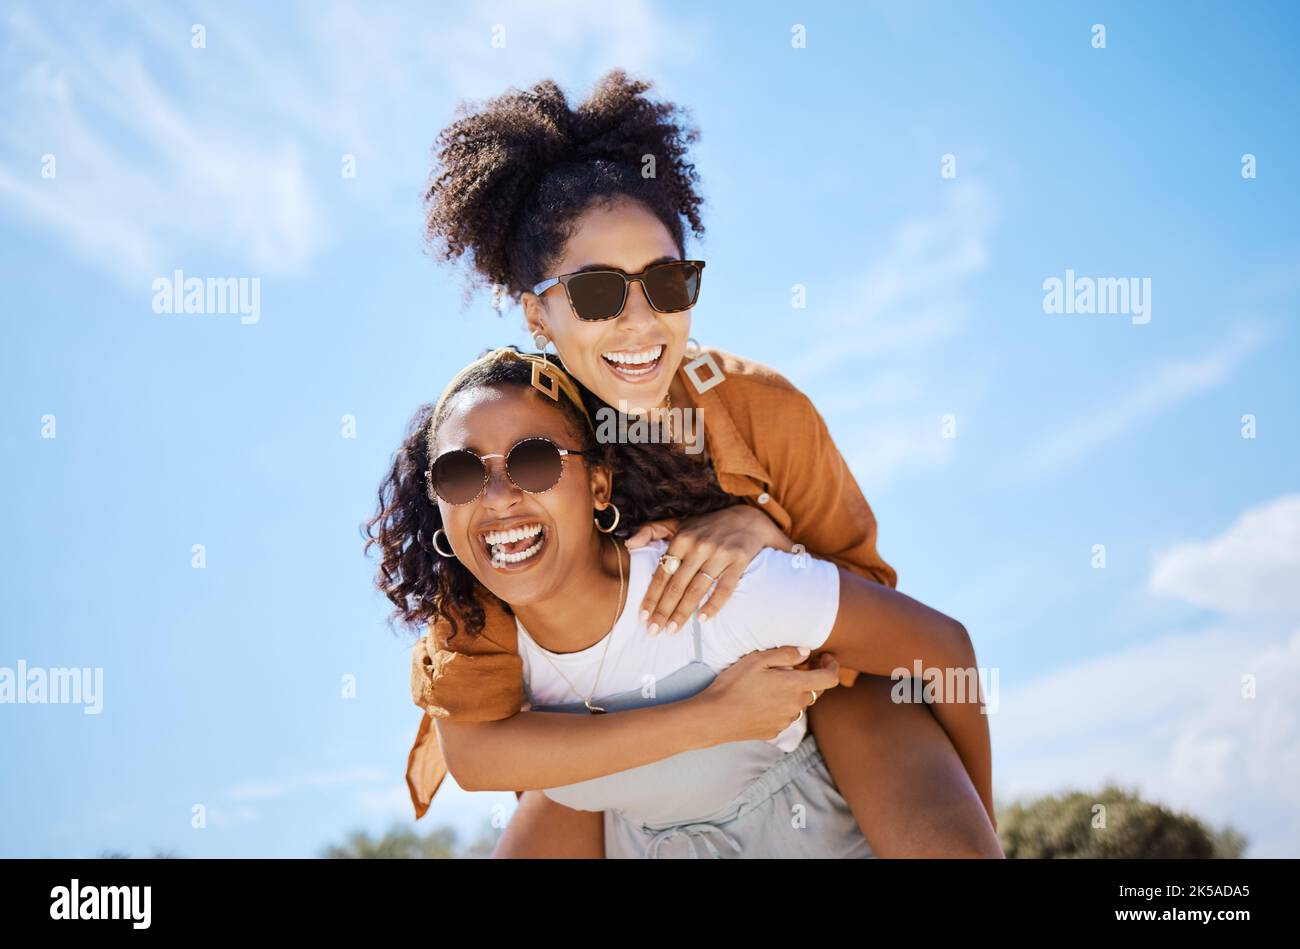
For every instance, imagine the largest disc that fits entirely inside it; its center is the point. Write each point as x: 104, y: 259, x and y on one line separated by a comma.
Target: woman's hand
x: 713, y: 548
x: 762, y: 694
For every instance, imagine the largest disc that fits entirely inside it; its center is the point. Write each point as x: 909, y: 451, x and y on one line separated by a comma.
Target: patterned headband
x: 547, y: 378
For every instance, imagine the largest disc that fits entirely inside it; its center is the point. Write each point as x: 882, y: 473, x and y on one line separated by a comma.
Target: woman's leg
x: 899, y: 773
x: 540, y: 827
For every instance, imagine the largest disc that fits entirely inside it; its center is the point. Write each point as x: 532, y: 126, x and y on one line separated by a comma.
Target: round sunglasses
x: 533, y: 464
x: 596, y: 295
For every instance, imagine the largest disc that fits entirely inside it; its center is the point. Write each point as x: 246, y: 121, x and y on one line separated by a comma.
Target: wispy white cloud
x: 1158, y: 390
x: 1170, y: 718
x: 1253, y: 567
x: 393, y: 801
x: 912, y: 294
x: 892, y: 327
x: 219, y: 816
x: 1207, y: 720
x: 147, y: 173
x: 165, y: 151
x: 892, y: 447
x: 293, y: 784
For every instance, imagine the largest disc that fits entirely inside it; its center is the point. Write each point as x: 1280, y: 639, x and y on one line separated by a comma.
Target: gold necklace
x: 668, y: 404
x: 618, y: 609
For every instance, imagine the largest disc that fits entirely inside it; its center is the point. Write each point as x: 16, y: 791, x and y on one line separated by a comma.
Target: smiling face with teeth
x: 633, y: 357
x: 528, y: 549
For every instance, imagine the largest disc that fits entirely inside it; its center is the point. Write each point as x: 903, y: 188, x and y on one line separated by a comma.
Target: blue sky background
x: 820, y: 167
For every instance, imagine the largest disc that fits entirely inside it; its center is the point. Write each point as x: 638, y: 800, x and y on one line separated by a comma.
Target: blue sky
x: 821, y: 167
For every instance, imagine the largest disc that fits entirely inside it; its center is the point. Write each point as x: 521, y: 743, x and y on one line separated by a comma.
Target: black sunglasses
x: 670, y: 287
x: 533, y: 464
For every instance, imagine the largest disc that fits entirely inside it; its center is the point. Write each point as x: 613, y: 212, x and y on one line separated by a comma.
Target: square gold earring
x: 552, y: 385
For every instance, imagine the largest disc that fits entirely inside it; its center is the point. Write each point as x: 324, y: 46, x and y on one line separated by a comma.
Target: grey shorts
x: 792, y: 809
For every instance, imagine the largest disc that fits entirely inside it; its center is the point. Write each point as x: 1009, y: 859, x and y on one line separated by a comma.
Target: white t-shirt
x: 780, y: 600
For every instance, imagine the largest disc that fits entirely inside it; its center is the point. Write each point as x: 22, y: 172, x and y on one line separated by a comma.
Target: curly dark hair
x: 651, y: 481
x: 514, y: 172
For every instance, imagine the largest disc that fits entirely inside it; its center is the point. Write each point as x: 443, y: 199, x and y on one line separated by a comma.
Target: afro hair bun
x: 514, y: 171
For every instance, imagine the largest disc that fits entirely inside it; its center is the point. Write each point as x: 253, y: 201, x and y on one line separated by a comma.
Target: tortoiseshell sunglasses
x: 595, y: 295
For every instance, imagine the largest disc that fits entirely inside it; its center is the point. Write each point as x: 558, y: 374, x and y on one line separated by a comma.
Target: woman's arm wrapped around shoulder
x: 756, y: 698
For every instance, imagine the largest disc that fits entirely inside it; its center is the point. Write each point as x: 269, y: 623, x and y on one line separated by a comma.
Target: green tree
x: 402, y: 842
x: 1112, y: 823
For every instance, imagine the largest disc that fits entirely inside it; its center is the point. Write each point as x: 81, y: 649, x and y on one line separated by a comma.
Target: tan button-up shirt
x: 769, y: 446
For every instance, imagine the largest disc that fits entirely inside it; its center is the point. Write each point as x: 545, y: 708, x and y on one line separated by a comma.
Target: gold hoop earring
x: 439, y: 549
x: 617, y: 517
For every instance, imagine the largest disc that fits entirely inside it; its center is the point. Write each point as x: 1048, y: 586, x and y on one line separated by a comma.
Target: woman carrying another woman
x: 554, y: 208
x: 505, y: 480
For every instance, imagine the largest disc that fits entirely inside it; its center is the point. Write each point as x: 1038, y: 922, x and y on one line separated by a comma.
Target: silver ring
x: 712, y: 579
x: 670, y: 563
